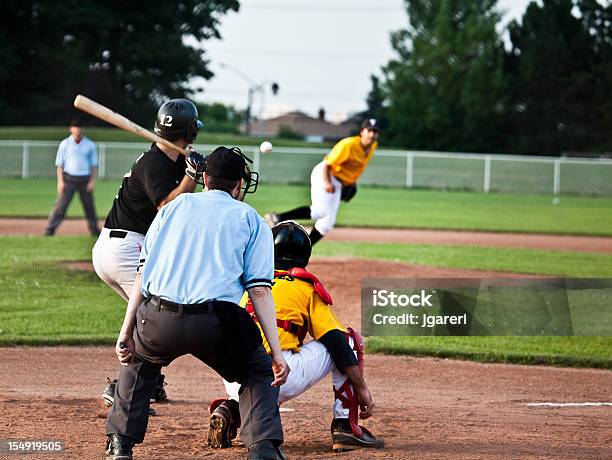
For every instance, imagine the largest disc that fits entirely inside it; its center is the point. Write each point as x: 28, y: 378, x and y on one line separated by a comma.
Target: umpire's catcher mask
x: 292, y: 247
x: 230, y: 163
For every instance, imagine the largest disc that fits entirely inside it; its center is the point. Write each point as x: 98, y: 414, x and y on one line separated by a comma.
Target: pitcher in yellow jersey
x: 333, y: 180
x: 303, y: 306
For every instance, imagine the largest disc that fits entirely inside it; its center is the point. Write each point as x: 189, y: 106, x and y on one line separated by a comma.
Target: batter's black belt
x: 210, y: 306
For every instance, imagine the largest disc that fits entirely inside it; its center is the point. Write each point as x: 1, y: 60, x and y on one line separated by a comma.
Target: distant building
x: 303, y: 126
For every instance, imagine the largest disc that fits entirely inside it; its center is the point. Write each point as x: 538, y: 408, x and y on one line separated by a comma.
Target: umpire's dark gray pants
x: 73, y: 184
x: 162, y: 336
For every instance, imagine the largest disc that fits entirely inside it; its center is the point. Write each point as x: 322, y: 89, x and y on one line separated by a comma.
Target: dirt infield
x: 12, y: 226
x: 427, y: 408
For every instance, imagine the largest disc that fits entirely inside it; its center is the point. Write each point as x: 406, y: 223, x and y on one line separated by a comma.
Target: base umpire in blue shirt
x: 77, y: 165
x: 200, y: 254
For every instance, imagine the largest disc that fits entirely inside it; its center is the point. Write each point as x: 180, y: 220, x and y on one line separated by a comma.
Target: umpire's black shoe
x: 343, y: 438
x: 119, y: 447
x: 265, y: 450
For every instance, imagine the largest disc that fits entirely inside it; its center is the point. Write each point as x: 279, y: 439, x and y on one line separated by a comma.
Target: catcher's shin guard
x: 347, y: 434
x: 224, y: 423
x: 346, y: 393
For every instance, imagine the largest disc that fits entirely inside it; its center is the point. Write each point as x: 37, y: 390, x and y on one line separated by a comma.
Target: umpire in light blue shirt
x: 200, y: 254
x: 77, y: 166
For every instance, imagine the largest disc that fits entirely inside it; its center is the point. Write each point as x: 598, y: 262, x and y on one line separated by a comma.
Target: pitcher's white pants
x: 116, y: 260
x: 324, y: 205
x: 308, y: 366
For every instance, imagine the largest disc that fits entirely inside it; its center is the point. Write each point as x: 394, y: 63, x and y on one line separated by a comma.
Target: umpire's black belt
x: 209, y: 306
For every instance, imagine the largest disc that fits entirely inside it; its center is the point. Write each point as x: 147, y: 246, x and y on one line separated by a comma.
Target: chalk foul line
x: 569, y: 404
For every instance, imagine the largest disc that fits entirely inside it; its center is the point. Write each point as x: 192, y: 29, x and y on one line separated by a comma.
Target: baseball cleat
x: 217, y: 433
x: 271, y: 219
x: 224, y: 421
x: 343, y: 438
x: 108, y: 395
x: 160, y: 395
x: 119, y: 447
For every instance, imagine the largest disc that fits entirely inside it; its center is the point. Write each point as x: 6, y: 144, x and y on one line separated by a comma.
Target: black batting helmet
x: 292, y: 246
x: 176, y: 119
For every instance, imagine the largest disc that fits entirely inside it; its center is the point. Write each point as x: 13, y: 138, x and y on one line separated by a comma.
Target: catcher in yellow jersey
x: 303, y: 307
x: 334, y: 179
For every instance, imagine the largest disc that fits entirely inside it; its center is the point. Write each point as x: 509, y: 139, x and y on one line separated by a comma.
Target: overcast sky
x: 321, y: 52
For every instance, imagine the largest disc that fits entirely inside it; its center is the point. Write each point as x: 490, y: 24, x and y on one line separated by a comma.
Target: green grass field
x: 44, y: 302
x: 374, y: 207
x: 556, y: 351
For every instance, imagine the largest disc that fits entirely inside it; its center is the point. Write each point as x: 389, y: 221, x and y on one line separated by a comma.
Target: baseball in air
x: 265, y: 147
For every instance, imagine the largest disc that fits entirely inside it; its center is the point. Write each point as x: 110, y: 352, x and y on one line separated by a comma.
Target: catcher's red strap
x: 298, y: 330
x: 303, y: 274
x: 292, y: 328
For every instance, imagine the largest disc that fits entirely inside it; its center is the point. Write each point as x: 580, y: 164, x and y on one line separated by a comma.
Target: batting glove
x: 196, y: 165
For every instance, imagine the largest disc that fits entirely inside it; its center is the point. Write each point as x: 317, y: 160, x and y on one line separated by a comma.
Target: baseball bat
x: 104, y: 113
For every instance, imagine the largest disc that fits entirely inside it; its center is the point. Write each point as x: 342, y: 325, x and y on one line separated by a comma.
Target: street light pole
x: 253, y: 89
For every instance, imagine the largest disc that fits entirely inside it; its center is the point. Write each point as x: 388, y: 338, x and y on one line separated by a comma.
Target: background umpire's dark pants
x: 73, y: 184
x: 162, y: 336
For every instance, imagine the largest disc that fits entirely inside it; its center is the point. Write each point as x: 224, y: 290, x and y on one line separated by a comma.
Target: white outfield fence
x: 388, y: 168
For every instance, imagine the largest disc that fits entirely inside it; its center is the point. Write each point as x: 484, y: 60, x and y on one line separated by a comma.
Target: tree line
x: 130, y: 55
x: 459, y: 80
x: 457, y: 84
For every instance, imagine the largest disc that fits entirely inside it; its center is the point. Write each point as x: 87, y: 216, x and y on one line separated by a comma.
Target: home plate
x: 571, y: 404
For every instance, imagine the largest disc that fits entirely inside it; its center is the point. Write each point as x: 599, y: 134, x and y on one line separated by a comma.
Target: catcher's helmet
x: 176, y: 119
x: 292, y: 246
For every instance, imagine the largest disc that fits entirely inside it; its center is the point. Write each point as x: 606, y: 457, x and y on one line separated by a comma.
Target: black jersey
x: 152, y: 177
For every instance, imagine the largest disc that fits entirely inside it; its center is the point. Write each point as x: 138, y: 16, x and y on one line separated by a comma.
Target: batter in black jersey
x: 145, y: 189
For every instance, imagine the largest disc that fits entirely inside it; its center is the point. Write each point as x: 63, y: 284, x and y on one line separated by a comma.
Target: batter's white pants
x: 308, y: 366
x: 324, y: 205
x: 116, y: 260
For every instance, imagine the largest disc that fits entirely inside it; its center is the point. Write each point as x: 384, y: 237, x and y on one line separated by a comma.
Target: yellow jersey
x: 348, y: 160
x: 297, y: 301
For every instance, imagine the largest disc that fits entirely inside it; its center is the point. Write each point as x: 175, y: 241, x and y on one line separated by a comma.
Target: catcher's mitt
x: 348, y: 192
